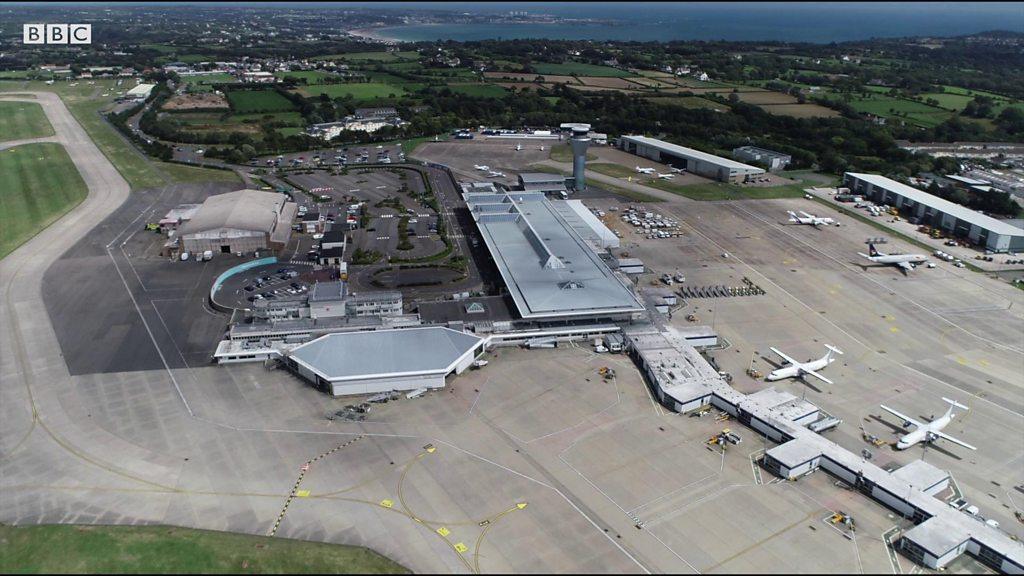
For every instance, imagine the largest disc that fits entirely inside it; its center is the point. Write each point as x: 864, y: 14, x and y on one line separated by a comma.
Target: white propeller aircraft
x: 928, y: 431
x: 676, y: 170
x: 640, y: 170
x: 906, y: 262
x: 794, y: 369
x: 811, y: 219
x: 481, y: 167
x: 496, y: 174
x: 666, y: 176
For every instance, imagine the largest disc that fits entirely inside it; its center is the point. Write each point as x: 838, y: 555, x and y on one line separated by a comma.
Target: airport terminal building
x: 552, y: 273
x: 695, y: 161
x: 986, y: 231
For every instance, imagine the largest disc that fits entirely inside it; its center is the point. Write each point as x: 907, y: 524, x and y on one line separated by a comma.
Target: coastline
x: 373, y: 34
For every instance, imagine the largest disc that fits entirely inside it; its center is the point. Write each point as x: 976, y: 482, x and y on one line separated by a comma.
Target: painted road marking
x: 461, y: 548
x: 443, y: 531
x: 387, y: 503
x: 302, y: 493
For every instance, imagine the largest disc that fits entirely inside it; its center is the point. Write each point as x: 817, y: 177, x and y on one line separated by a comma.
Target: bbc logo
x: 57, y: 34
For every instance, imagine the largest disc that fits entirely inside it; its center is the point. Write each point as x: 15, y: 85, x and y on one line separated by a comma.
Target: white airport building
x: 552, y: 273
x: 384, y: 360
x: 695, y: 161
x: 924, y: 208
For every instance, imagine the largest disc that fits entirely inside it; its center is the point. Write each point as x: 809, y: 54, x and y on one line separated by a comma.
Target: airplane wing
x: 899, y: 415
x: 783, y: 356
x: 905, y: 265
x: 805, y: 214
x: 818, y: 376
x: 954, y: 440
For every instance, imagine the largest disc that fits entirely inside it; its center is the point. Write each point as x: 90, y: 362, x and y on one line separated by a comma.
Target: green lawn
x: 359, y: 91
x: 20, y: 120
x: 373, y: 56
x: 578, y: 69
x: 254, y: 101
x: 562, y: 153
x: 205, y: 82
x: 167, y: 550
x: 310, y: 76
x: 621, y: 191
x: 611, y: 169
x: 183, y: 173
x: 40, y: 185
x: 723, y: 191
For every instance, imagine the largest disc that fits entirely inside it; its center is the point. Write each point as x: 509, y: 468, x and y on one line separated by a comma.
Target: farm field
x: 310, y: 76
x: 579, y: 69
x: 898, y: 109
x: 205, y: 82
x: 358, y: 91
x: 763, y: 97
x: 20, y: 120
x: 800, y: 110
x: 608, y: 82
x: 373, y: 56
x: 478, y: 90
x: 166, y: 550
x: 520, y: 76
x: 250, y: 101
x: 687, y: 102
x: 40, y: 185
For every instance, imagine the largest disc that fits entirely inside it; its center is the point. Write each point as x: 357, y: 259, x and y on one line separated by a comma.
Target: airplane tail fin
x: 831, y: 350
x: 954, y: 404
x: 792, y: 215
x: 871, y: 250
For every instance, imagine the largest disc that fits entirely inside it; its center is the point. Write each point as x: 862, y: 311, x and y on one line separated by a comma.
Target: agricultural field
x: 358, y: 91
x: 759, y: 98
x: 522, y: 77
x: 173, y: 550
x: 688, y: 102
x: 40, y: 185
x: 800, y: 110
x: 250, y: 101
x: 205, y: 82
x: 20, y: 120
x: 195, y: 100
x: 478, y: 90
x: 579, y: 69
x: 372, y: 56
x: 309, y: 76
x: 609, y: 82
x: 908, y: 111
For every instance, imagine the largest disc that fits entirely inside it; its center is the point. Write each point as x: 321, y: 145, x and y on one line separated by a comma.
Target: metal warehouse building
x: 957, y: 220
x: 548, y: 267
x: 384, y: 360
x: 240, y: 221
x: 700, y: 163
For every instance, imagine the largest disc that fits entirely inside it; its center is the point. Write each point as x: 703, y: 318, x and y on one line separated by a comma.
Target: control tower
x: 579, y: 143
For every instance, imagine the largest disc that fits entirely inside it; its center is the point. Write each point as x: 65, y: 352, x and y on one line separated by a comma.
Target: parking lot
x: 273, y: 281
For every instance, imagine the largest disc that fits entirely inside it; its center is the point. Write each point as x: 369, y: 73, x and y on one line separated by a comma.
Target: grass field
x: 310, y: 76
x: 182, y: 173
x: 252, y: 101
x: 20, y: 120
x: 611, y: 169
x: 166, y: 550
x: 40, y: 185
x: 723, y: 191
x: 579, y: 69
x: 372, y: 56
x: 688, y: 102
x: 624, y: 192
x: 562, y: 153
x: 204, y: 83
x: 898, y: 109
x: 361, y: 91
x: 478, y: 90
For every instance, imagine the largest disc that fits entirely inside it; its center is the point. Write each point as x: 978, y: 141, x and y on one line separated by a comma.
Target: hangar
x: 983, y: 230
x: 384, y: 360
x: 700, y: 163
x: 239, y: 221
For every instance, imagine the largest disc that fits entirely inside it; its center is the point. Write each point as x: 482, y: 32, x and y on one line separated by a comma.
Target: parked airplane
x: 906, y: 262
x: 496, y: 174
x: 481, y: 167
x: 796, y: 369
x: 676, y: 170
x: 811, y: 219
x: 645, y: 170
x: 666, y: 176
x: 541, y: 148
x: 928, y: 431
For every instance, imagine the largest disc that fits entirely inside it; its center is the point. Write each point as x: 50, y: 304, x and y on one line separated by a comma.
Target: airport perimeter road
x: 29, y: 351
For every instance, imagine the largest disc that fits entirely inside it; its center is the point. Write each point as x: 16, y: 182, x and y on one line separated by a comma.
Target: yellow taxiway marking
x: 443, y: 531
x: 302, y: 493
x: 387, y: 503
x: 894, y: 329
x: 960, y: 360
x: 461, y: 548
